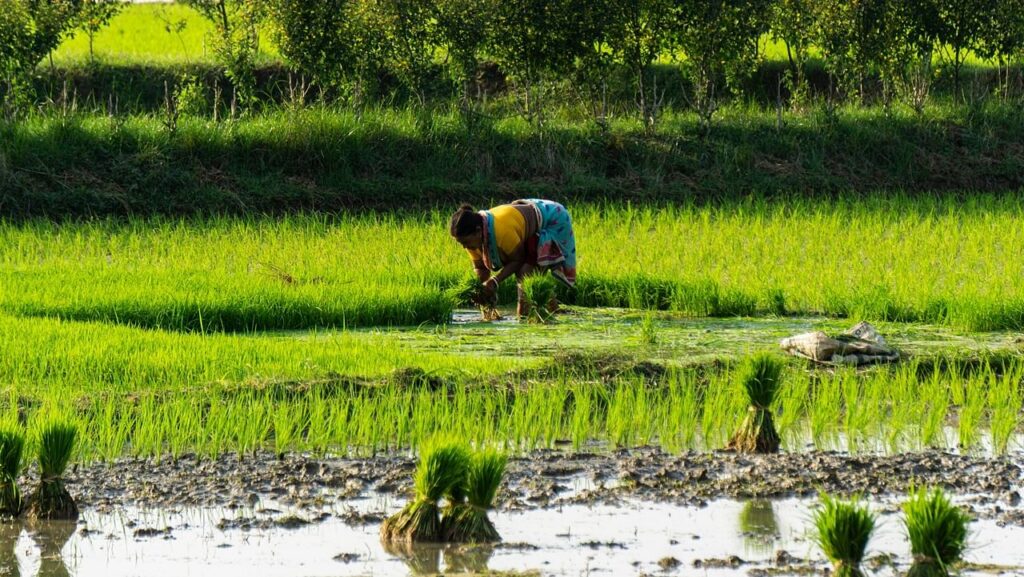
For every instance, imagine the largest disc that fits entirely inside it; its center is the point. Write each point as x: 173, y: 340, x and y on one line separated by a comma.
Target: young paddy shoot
x: 541, y: 298
x: 12, y: 445
x: 759, y: 380
x: 937, y: 530
x: 465, y: 520
x: 442, y: 466
x: 843, y: 529
x: 51, y: 501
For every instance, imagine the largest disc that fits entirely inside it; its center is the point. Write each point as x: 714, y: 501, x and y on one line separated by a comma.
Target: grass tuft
x: 937, y: 530
x: 442, y: 466
x: 759, y: 379
x: 52, y: 501
x: 842, y: 530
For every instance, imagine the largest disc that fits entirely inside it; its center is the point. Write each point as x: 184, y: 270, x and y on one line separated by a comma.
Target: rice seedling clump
x: 937, y: 530
x: 540, y: 294
x: 51, y: 501
x: 12, y: 444
x: 759, y: 379
x: 842, y: 530
x: 442, y: 466
x: 471, y: 290
x: 465, y: 519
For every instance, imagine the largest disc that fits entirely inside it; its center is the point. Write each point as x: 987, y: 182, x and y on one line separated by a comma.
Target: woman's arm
x: 510, y: 268
x: 482, y: 274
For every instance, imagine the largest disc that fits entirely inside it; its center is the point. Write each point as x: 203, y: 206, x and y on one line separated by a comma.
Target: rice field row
x: 947, y: 261
x: 882, y: 411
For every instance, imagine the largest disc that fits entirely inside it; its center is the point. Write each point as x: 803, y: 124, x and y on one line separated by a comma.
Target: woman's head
x: 467, y: 227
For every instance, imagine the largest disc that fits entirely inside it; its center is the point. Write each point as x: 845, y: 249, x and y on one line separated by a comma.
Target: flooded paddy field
x: 244, y: 406
x: 626, y: 512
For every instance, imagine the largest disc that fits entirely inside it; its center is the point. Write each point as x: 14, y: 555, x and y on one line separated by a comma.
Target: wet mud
x: 991, y: 486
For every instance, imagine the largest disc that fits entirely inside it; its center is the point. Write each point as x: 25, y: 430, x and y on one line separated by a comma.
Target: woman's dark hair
x: 465, y: 221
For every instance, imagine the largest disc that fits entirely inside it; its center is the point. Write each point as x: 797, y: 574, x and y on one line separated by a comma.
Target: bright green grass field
x: 153, y: 392
x: 944, y: 262
x: 148, y: 34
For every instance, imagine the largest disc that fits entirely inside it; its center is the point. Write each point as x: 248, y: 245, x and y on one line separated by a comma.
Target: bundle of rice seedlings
x: 471, y: 290
x: 842, y: 530
x: 465, y: 520
x: 51, y: 501
x: 937, y: 531
x: 541, y: 294
x: 441, y: 466
x: 759, y: 378
x: 12, y: 444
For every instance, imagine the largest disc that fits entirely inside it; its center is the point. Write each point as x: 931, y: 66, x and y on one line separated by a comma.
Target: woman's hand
x: 490, y: 289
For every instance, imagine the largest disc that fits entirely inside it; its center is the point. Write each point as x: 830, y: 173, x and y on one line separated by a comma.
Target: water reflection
x: 425, y: 558
x: 421, y: 558
x: 9, y: 533
x: 759, y: 526
x: 467, y: 558
x: 50, y: 537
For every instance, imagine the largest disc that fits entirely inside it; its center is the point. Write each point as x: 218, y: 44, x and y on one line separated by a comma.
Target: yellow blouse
x: 510, y: 230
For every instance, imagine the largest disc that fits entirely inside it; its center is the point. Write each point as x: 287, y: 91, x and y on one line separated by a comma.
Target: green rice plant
x: 973, y: 395
x: 12, y: 444
x: 648, y: 330
x: 51, y: 500
x: 470, y: 290
x: 937, y: 530
x: 540, y: 291
x: 790, y: 409
x: 825, y: 410
x: 857, y: 413
x: 465, y: 519
x: 442, y: 466
x: 759, y: 379
x: 935, y: 401
x: 843, y: 529
x: 1005, y: 400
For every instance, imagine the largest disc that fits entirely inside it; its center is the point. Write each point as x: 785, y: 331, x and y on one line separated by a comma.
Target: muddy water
x: 679, y: 340
x: 723, y: 537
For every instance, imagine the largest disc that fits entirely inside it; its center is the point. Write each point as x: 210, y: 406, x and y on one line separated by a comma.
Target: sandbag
x: 861, y: 345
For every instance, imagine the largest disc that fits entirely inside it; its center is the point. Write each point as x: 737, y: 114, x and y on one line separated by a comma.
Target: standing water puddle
x: 725, y: 537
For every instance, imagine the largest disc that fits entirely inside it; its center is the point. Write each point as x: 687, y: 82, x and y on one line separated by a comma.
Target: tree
x: 637, y: 35
x: 96, y: 15
x: 463, y: 28
x: 961, y: 25
x: 1002, y: 40
x: 314, y: 38
x: 533, y: 39
x: 29, y: 30
x: 410, y: 53
x: 851, y: 36
x: 908, y: 41
x: 236, y: 41
x: 792, y: 21
x: 720, y: 39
